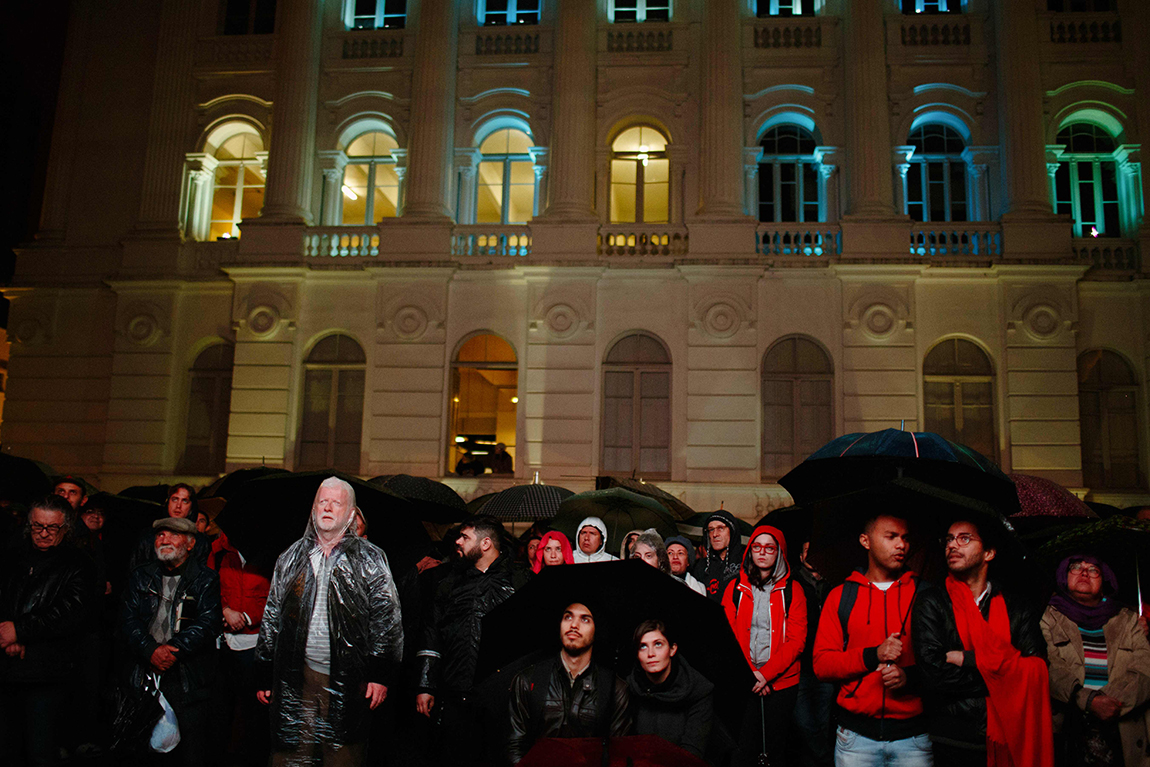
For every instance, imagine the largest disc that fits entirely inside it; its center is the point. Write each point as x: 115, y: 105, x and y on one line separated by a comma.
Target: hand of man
x: 7, y: 633
x: 15, y: 650
x: 107, y: 588
x: 956, y: 657
x: 893, y: 677
x: 426, y: 564
x: 1105, y: 708
x: 376, y: 693
x: 890, y: 649
x: 424, y: 702
x: 264, y: 696
x: 762, y: 687
x: 234, y: 619
x: 164, y: 657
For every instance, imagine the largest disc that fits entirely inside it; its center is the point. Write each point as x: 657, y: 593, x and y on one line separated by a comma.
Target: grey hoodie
x: 599, y: 556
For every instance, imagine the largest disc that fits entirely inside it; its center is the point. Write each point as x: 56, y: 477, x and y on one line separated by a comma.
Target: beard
x: 469, y: 558
x: 169, y: 554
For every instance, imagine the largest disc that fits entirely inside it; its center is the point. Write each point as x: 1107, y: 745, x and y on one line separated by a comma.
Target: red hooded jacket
x: 876, y: 615
x: 788, y: 621
x: 243, y: 587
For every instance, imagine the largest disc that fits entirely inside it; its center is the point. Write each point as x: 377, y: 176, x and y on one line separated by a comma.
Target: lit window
x: 239, y: 184
x: 640, y: 10
x: 248, y: 17
x: 640, y: 177
x: 499, y: 13
x: 370, y: 184
x: 936, y: 181
x: 506, y: 179
x: 788, y: 175
x: 484, y: 400
x: 798, y: 411
x: 375, y: 14
x: 332, y: 422
x: 1108, y: 413
x: 932, y: 6
x: 637, y: 408
x: 209, y: 407
x: 958, y: 390
x: 766, y: 8
x: 1086, y: 182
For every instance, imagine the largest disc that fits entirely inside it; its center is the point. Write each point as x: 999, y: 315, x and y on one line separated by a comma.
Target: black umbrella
x: 437, y: 502
x: 621, y: 595
x: 22, y: 479
x: 227, y: 485
x: 1119, y: 541
x: 677, y: 508
x: 526, y: 503
x: 621, y: 511
x: 153, y: 493
x: 267, y: 515
x: 478, y: 502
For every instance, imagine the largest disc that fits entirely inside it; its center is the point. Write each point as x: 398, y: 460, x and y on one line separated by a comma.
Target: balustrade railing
x: 935, y: 32
x: 233, y: 50
x: 1086, y: 28
x: 373, y: 44
x: 491, y: 240
x: 639, y: 40
x: 340, y: 241
x: 506, y: 43
x: 956, y: 239
x: 1108, y: 253
x: 789, y: 33
x: 623, y: 240
x: 798, y: 240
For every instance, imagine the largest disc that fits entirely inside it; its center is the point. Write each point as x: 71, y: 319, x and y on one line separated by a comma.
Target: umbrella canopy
x: 621, y: 595
x: 1119, y: 541
x: 526, y: 503
x: 629, y: 751
x: 621, y: 511
x: 677, y: 508
x: 1047, y: 508
x: 22, y: 479
x: 269, y: 514
x: 154, y: 493
x: 796, y: 523
x: 694, y: 527
x: 478, y: 502
x: 437, y: 502
x: 226, y: 486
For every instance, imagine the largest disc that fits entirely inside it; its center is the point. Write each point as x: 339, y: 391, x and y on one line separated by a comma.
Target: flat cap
x: 176, y: 525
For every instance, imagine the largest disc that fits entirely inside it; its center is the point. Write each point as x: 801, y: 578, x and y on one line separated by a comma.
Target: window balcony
x: 1083, y: 28
x: 961, y: 240
x: 643, y: 240
x: 517, y: 41
x: 793, y: 33
x: 367, y: 45
x: 234, y: 53
x: 937, y: 39
x: 646, y: 37
x: 802, y: 241
x: 1108, y: 254
x: 491, y: 241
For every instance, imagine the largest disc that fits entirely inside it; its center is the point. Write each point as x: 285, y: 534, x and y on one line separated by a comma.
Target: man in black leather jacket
x: 46, y: 599
x: 170, y: 619
x: 953, y: 690
x: 568, y: 696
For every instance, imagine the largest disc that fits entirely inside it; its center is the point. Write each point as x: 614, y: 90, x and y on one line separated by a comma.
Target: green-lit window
x: 1086, y: 182
x: 370, y: 183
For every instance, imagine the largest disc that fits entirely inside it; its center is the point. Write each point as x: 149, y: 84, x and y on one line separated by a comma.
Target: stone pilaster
x: 868, y: 122
x: 539, y: 157
x: 980, y: 160
x: 332, y: 164
x: 201, y: 173
x: 827, y: 156
x: 467, y: 166
x: 900, y: 161
x: 432, y: 131
x: 751, y: 157
x: 721, y: 97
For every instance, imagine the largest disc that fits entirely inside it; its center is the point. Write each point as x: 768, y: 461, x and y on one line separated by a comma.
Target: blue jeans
x: 854, y: 750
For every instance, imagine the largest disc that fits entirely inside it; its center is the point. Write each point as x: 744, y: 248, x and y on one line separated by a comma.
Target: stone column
x: 1020, y: 110
x: 467, y: 165
x: 1053, y: 161
x: 900, y: 158
x: 332, y: 164
x: 539, y: 157
x: 677, y: 159
x: 170, y: 119
x: 868, y: 121
x: 432, y: 131
x: 573, y: 123
x: 721, y: 106
x: 292, y: 152
x: 400, y: 156
x: 978, y: 161
x: 828, y: 183
x: 201, y: 173
x: 751, y: 157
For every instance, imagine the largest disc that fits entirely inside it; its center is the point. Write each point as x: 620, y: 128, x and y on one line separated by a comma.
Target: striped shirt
x: 1094, y: 654
x: 318, y: 651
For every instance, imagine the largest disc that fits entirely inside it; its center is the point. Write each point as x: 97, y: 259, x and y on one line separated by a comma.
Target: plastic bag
x: 166, y: 733
x: 137, y: 711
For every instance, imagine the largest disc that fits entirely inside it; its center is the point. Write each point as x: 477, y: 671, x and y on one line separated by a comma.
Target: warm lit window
x: 500, y: 13
x: 209, y: 406
x: 239, y: 184
x: 765, y: 8
x: 936, y: 181
x: 798, y: 412
x: 640, y: 177
x: 370, y: 183
x: 506, y: 179
x: 788, y: 175
x: 932, y: 6
x: 375, y: 14
x: 637, y: 408
x: 640, y: 10
x: 1108, y: 412
x: 248, y: 17
x: 958, y: 391
x: 332, y: 424
x: 1086, y: 182
x: 484, y: 400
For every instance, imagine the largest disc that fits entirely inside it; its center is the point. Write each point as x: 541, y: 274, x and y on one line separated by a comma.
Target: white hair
x: 345, y: 486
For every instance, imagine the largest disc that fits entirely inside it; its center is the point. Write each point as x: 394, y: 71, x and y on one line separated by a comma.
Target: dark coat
x: 196, y: 621
x: 49, y: 596
x: 955, y: 697
x: 145, y: 549
x: 679, y: 710
x: 596, y: 705
x: 365, y: 627
x: 713, y: 570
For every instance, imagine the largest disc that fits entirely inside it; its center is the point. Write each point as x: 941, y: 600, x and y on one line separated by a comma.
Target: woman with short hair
x: 670, y: 698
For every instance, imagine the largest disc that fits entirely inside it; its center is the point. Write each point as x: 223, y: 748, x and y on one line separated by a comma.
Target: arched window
x: 766, y: 8
x: 484, y: 402
x: 375, y: 14
x: 936, y: 181
x: 506, y: 183
x: 370, y: 183
x: 788, y: 175
x: 333, y: 384
x: 504, y: 12
x: 621, y: 11
x: 209, y: 405
x: 798, y: 403
x: 640, y: 177
x: 1108, y: 411
x: 239, y: 182
x: 958, y: 392
x: 637, y: 408
x: 1086, y: 184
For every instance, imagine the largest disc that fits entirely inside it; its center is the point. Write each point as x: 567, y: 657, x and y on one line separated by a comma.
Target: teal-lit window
x: 622, y: 11
x: 376, y: 14
x: 932, y: 6
x: 1086, y: 182
x: 766, y: 8
x: 500, y: 13
x: 788, y: 175
x: 936, y: 181
x: 506, y: 179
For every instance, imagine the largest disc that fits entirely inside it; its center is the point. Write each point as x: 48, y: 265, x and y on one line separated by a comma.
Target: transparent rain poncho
x: 366, y: 639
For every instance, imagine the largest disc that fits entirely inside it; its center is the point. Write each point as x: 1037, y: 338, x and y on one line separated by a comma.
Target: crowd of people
x: 334, y: 659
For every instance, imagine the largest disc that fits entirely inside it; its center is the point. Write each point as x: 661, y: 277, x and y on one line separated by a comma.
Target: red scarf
x: 1018, y: 719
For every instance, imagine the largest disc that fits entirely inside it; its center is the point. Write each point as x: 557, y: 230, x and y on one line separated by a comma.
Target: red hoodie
x: 788, y: 621
x: 243, y: 587
x: 875, y: 616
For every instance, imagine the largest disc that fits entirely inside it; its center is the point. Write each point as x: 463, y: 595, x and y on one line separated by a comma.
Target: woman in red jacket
x: 769, y: 618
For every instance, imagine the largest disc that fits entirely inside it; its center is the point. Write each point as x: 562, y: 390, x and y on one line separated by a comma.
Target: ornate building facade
x: 673, y: 239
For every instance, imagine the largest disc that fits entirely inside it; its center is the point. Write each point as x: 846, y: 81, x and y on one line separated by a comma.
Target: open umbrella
x: 677, y: 508
x: 1120, y: 541
x: 227, y: 485
x: 629, y: 751
x: 621, y: 511
x: 154, y: 493
x: 436, y: 501
x: 22, y: 479
x: 526, y: 503
x: 1047, y: 509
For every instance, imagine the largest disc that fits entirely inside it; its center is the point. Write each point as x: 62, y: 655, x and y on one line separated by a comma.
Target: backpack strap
x: 846, y: 605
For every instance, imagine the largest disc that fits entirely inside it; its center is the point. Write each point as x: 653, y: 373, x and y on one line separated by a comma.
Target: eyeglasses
x: 962, y: 539
x: 1087, y: 570
x: 763, y: 548
x: 39, y: 528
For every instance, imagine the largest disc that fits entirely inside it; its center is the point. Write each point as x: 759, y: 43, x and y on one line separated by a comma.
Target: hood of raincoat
x: 623, y: 546
x: 782, y: 569
x: 690, y: 547
x: 683, y: 686
x: 596, y: 523
x: 554, y: 535
x: 728, y: 519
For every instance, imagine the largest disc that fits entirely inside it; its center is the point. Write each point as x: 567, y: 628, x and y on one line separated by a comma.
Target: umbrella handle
x: 606, y: 761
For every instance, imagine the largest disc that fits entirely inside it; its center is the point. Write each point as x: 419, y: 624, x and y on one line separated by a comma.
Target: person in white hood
x: 591, y: 540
